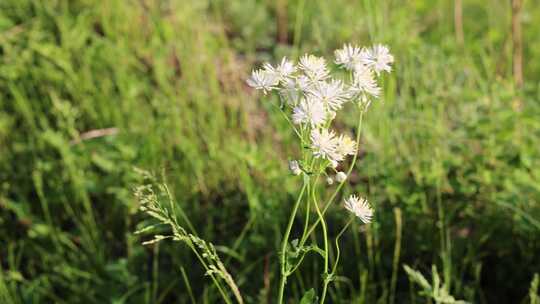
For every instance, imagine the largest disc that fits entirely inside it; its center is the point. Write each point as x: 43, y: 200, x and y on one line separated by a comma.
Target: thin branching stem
x: 338, y: 252
x: 325, y: 233
x: 290, y: 123
x: 338, y: 188
x: 285, y: 241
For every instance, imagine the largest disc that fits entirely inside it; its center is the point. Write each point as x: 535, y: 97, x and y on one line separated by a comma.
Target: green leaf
x: 309, y: 297
x: 417, y: 277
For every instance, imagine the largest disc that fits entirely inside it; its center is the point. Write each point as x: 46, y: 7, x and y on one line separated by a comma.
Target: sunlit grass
x: 445, y: 155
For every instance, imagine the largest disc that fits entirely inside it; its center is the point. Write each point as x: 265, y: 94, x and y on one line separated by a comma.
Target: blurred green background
x: 89, y: 90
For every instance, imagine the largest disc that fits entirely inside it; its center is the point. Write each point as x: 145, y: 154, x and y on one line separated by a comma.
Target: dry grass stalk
x: 517, y: 43
x: 458, y: 21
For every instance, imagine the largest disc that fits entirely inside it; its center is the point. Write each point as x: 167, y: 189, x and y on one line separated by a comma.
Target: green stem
x: 327, y: 205
x: 397, y: 251
x: 325, y: 289
x: 334, y: 268
x: 327, y: 280
x: 284, y: 273
x: 306, y: 224
x: 298, y: 27
x: 325, y: 234
x: 212, y: 276
x: 290, y: 123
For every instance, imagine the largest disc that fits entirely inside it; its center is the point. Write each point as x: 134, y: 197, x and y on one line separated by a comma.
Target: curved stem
x: 306, y: 224
x: 333, y: 196
x: 334, y: 268
x: 325, y: 235
x: 284, y: 273
x: 304, y: 231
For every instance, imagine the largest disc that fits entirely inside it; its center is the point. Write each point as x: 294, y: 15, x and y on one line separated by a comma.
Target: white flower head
x: 364, y: 82
x: 310, y: 111
x: 294, y: 167
x: 360, y: 208
x: 378, y: 58
x: 303, y: 83
x: 323, y: 143
x: 314, y: 67
x: 341, y: 176
x: 286, y: 67
x: 283, y: 70
x: 348, y: 56
x: 331, y: 93
x: 263, y: 80
x: 344, y: 146
x: 289, y: 92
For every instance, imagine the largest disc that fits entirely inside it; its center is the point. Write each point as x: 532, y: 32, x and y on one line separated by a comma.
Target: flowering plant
x: 310, y: 100
x: 311, y: 97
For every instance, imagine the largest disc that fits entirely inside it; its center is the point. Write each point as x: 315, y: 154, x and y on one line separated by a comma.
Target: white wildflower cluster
x: 314, y: 96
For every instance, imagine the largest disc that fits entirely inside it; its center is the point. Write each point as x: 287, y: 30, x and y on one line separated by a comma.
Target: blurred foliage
x: 447, y: 145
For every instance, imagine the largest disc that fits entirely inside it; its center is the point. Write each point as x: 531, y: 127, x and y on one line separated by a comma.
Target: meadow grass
x: 449, y: 156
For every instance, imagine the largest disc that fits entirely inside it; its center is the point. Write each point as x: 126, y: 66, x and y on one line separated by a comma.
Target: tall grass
x: 445, y: 146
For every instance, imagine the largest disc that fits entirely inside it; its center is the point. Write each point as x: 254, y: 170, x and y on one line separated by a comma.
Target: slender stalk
x: 155, y: 272
x: 458, y: 22
x: 174, y: 223
x: 397, y: 251
x: 325, y: 235
x: 284, y: 273
x: 446, y: 256
x: 306, y: 224
x: 338, y: 188
x: 517, y: 43
x: 298, y: 27
x: 188, y: 286
x: 281, y: 21
x: 290, y: 123
x: 304, y: 231
x: 212, y: 276
x: 334, y: 268
x: 325, y: 289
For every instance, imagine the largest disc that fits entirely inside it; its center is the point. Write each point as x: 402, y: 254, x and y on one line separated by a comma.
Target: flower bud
x: 294, y: 167
x: 341, y: 176
x: 329, y: 180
